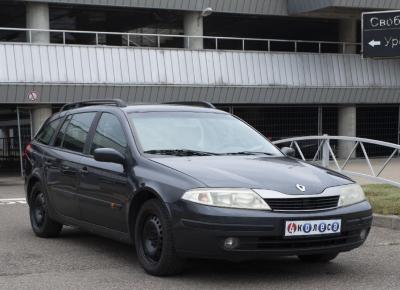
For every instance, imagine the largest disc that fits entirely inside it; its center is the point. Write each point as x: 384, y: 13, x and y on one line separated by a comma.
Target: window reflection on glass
x: 77, y: 130
x: 109, y: 134
x: 216, y: 133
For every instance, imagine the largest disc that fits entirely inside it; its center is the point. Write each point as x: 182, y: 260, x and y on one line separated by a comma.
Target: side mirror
x: 288, y: 151
x: 109, y: 155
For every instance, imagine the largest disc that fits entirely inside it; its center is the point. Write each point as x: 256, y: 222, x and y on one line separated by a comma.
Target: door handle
x: 84, y: 170
x: 66, y: 169
x: 48, y: 163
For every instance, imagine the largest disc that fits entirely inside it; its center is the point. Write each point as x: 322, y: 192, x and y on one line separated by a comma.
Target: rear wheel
x: 320, y: 258
x: 153, y: 240
x: 42, y: 225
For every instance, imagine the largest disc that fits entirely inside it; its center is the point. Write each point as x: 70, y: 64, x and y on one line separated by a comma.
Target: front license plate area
x: 312, y: 228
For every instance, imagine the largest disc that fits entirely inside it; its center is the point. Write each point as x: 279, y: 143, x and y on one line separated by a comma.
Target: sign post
x: 381, y: 34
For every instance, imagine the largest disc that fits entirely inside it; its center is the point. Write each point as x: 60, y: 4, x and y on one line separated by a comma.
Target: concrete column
x: 39, y: 115
x: 38, y: 17
x: 348, y: 33
x: 347, y: 119
x: 193, y: 26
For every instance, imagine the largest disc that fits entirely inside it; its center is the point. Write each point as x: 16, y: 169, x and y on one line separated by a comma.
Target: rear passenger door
x: 45, y: 152
x: 66, y: 156
x: 104, y: 186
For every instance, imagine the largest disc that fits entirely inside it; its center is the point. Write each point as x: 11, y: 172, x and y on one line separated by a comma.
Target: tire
x: 321, y: 258
x: 42, y: 225
x: 154, y: 243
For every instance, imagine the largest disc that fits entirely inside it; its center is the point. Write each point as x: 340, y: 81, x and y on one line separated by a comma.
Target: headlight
x: 351, y: 194
x: 231, y: 198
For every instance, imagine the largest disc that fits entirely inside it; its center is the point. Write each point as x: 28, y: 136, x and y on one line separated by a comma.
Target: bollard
x: 325, y: 152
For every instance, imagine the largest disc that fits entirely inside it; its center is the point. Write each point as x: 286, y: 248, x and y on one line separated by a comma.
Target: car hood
x: 258, y: 172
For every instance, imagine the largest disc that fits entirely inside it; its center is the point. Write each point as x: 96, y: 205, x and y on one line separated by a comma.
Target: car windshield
x: 198, y: 133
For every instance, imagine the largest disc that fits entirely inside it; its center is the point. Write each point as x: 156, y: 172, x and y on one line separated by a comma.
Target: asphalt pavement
x: 78, y: 260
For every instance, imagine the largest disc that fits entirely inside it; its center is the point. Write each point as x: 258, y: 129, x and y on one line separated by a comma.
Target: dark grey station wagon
x: 186, y: 181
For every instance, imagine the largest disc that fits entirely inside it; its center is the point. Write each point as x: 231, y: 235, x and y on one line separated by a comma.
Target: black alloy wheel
x: 153, y: 240
x: 42, y: 224
x: 39, y: 210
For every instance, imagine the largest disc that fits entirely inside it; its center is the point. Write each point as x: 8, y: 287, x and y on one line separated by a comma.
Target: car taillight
x: 27, y: 150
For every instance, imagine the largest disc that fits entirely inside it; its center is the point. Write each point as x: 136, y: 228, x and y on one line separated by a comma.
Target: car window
x: 214, y: 133
x: 47, y: 132
x: 77, y: 131
x: 61, y: 133
x: 109, y: 134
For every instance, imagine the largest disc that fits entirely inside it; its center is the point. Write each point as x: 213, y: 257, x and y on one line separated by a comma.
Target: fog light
x: 231, y: 243
x: 363, y: 234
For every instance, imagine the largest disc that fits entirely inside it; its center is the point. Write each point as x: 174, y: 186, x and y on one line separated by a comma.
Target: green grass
x: 385, y: 199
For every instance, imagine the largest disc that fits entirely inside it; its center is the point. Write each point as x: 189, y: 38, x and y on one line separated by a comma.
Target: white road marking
x: 12, y: 201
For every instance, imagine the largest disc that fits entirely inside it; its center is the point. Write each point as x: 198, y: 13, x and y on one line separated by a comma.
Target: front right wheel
x: 154, y: 242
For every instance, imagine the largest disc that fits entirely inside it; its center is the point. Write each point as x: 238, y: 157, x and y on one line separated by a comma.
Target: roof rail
x: 112, y: 102
x: 194, y: 104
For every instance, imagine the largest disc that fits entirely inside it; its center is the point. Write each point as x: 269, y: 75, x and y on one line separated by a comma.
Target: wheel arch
x: 31, y: 183
x: 136, y: 203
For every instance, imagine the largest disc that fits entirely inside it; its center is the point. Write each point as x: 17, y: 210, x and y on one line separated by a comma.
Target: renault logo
x: 301, y: 187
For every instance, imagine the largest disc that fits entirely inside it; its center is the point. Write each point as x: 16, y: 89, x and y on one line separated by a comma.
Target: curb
x: 386, y: 221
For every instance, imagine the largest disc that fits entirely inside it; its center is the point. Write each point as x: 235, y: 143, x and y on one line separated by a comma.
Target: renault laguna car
x: 186, y: 181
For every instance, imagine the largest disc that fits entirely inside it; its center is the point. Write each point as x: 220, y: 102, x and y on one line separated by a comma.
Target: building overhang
x: 316, y: 8
x: 237, y: 95
x: 262, y: 7
x: 338, y: 8
x: 51, y: 73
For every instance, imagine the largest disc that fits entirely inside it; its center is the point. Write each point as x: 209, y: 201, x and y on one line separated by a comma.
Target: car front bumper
x: 200, y: 231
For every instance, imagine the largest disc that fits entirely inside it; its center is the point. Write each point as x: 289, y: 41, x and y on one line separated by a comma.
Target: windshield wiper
x: 249, y: 153
x: 180, y: 152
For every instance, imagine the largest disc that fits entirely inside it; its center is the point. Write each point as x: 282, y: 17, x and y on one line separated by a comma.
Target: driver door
x: 104, y: 188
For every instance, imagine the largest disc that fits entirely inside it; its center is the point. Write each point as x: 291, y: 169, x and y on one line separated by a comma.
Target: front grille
x: 302, y: 204
x: 279, y: 243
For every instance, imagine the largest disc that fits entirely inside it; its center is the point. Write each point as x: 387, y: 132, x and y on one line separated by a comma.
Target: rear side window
x: 77, y: 130
x: 47, y: 132
x: 109, y: 134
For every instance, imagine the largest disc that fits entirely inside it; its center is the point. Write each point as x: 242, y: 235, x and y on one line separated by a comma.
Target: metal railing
x: 325, y: 153
x: 181, y: 41
x: 9, y: 148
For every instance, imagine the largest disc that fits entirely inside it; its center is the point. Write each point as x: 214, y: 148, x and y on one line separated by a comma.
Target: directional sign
x: 381, y: 34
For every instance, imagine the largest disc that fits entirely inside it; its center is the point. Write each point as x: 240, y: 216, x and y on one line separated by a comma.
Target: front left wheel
x: 154, y: 243
x: 42, y: 225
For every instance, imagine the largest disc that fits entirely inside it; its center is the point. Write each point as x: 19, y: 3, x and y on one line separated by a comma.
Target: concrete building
x: 288, y: 67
